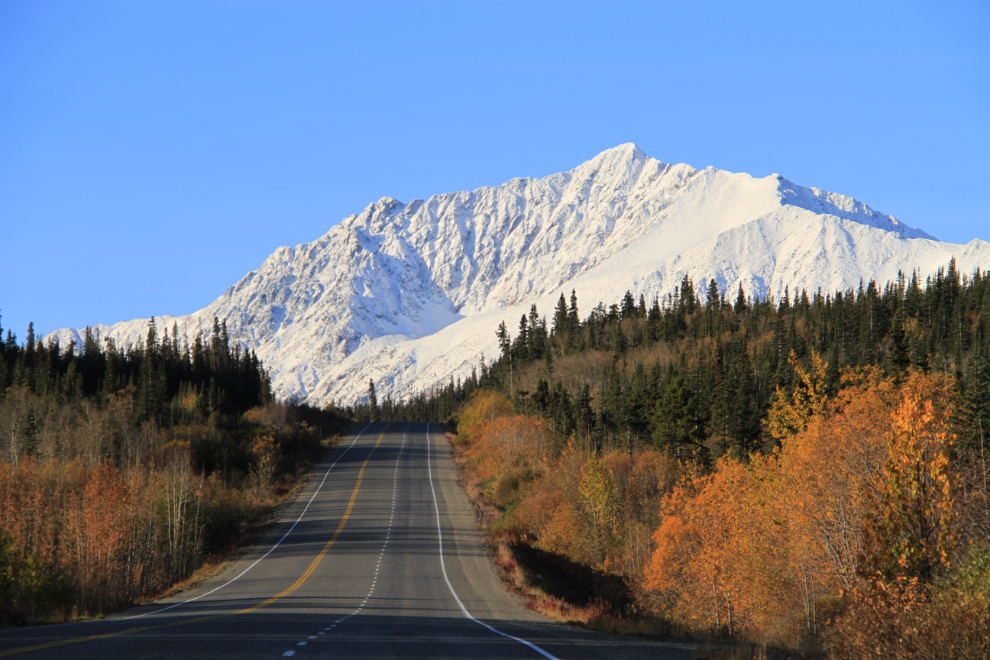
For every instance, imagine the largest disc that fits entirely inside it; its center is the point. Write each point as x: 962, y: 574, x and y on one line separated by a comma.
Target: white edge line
x: 444, y: 568
x: 171, y: 607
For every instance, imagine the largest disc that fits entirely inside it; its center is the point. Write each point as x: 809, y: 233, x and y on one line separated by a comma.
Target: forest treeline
x: 124, y: 468
x: 808, y: 471
x: 159, y: 373
x: 698, y: 370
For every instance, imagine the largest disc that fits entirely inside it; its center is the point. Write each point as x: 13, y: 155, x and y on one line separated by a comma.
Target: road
x: 379, y: 556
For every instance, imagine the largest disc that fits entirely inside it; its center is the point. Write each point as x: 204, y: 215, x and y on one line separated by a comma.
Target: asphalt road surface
x: 378, y: 557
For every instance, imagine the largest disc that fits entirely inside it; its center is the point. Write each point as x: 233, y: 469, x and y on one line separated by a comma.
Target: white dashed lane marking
x: 374, y: 580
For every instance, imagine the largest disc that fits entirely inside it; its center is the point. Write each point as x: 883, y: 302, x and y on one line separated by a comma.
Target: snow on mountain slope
x: 410, y: 294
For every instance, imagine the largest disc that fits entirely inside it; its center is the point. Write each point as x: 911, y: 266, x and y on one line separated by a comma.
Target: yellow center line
x: 302, y: 579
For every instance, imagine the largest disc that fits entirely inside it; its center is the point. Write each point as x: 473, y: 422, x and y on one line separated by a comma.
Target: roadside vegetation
x: 126, y: 472
x: 796, y: 477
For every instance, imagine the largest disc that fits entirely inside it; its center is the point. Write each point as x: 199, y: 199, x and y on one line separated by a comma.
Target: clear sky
x: 154, y: 152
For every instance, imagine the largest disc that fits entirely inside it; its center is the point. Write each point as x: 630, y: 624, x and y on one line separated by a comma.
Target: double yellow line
x: 298, y: 583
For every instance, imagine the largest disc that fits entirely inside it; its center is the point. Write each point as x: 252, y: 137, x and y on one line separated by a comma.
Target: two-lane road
x: 378, y: 557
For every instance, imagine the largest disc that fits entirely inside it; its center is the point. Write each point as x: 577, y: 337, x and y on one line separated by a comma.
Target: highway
x: 378, y: 557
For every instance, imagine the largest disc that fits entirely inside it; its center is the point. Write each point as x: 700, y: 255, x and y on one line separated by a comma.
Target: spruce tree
x: 503, y: 340
x: 560, y: 324
x: 714, y: 297
x: 975, y: 413
x: 521, y: 345
x: 372, y: 401
x: 628, y: 306
x: 677, y: 423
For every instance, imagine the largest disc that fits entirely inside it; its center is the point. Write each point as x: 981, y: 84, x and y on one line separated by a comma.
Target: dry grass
x: 537, y: 600
x: 713, y: 650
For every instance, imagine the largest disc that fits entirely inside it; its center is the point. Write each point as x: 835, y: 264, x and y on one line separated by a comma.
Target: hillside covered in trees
x: 809, y: 472
x: 124, y: 468
x: 698, y: 371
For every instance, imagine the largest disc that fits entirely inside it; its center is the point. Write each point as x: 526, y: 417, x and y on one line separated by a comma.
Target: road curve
x: 378, y: 557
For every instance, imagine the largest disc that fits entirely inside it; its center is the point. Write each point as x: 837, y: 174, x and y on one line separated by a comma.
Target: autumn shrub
x: 31, y: 588
x: 228, y: 515
x: 906, y: 618
x: 484, y: 407
x: 722, y: 562
x: 508, y: 453
x: 114, y: 538
x: 266, y: 456
x: 549, y: 512
x: 911, y: 529
x: 509, y: 485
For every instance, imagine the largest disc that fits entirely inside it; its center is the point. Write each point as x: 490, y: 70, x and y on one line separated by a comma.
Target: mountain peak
x: 624, y: 152
x: 625, y: 161
x: 629, y: 148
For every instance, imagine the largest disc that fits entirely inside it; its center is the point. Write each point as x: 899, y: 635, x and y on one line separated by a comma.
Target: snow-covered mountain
x: 411, y: 294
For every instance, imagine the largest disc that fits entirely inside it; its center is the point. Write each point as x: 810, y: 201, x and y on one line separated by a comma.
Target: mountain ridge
x: 410, y: 294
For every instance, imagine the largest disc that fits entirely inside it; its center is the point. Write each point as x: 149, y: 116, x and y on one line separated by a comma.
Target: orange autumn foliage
x: 513, y: 442
x: 721, y: 558
x: 116, y: 536
x: 484, y: 408
x: 832, y: 472
x: 549, y: 511
x: 89, y: 523
x: 754, y: 548
x: 911, y: 530
x: 597, y: 510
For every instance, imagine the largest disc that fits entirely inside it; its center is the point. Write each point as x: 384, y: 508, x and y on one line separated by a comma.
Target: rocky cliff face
x: 410, y: 294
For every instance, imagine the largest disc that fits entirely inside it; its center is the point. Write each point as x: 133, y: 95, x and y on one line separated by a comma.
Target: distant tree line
x: 697, y: 370
x: 161, y: 375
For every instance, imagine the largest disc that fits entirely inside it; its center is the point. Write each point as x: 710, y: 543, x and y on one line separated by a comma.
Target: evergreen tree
x: 714, y: 297
x: 503, y: 340
x: 975, y: 414
x: 373, y: 402
x: 560, y: 319
x: 654, y: 321
x: 521, y: 345
x: 678, y: 426
x: 740, y: 305
x: 897, y: 358
x: 628, y: 306
x: 537, y: 334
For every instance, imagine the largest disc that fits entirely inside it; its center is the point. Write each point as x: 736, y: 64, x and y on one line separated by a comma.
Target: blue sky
x: 154, y: 152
